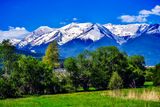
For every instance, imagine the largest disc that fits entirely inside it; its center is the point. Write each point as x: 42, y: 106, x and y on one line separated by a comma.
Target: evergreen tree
x: 52, y: 55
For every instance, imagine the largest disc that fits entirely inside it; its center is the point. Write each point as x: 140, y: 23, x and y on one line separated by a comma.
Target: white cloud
x: 62, y: 23
x: 142, y: 16
x: 154, y: 11
x: 129, y: 19
x: 75, y: 19
x: 13, y: 33
x: 69, y: 21
x: 145, y: 12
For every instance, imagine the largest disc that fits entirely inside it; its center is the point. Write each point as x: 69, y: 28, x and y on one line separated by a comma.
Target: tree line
x: 104, y: 68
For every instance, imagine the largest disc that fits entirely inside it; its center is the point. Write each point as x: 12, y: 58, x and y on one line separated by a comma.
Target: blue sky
x: 31, y: 14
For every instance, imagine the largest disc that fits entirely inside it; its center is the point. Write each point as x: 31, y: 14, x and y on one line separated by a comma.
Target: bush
x: 115, y: 82
x: 62, y: 82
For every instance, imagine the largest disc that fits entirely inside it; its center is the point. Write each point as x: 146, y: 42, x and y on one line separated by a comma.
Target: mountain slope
x: 145, y: 45
x: 141, y: 39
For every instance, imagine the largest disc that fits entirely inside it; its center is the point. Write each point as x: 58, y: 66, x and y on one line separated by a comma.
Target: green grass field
x: 142, y: 97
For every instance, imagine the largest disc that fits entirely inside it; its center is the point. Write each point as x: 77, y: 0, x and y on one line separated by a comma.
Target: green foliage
x: 8, y: 88
x: 103, y: 68
x: 84, y: 65
x: 28, y: 76
x: 156, y: 80
x: 79, y: 69
x: 7, y: 56
x: 95, y: 68
x: 52, y: 55
x: 149, y: 73
x: 105, y: 61
x: 115, y: 82
x: 63, y: 82
x: 71, y: 66
x: 137, y: 68
x: 137, y: 62
x: 34, y: 76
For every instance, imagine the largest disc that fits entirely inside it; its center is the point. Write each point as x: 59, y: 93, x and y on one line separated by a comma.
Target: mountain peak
x: 77, y: 25
x: 43, y: 29
x: 87, y: 31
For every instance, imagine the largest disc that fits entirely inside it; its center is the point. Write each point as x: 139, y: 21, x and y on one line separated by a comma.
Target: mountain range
x: 134, y: 39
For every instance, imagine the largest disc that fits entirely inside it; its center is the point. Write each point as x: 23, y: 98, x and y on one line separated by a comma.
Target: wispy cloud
x: 74, y: 19
x: 142, y: 16
x: 154, y: 11
x: 63, y: 23
x: 13, y: 33
x: 129, y: 18
x: 69, y: 21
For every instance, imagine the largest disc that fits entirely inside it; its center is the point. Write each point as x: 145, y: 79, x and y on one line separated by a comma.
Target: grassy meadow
x: 139, y: 97
x: 29, y: 82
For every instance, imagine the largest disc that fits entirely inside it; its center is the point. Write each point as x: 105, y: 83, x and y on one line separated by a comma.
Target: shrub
x: 115, y: 82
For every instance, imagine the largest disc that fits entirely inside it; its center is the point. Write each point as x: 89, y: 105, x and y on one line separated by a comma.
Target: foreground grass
x: 85, y: 99
x: 145, y: 94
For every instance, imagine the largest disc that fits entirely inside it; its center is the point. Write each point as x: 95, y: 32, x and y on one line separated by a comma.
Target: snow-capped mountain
x: 31, y: 37
x: 121, y: 33
x: 76, y: 37
x: 44, y: 35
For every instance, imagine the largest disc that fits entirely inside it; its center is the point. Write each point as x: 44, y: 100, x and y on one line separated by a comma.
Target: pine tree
x: 52, y: 55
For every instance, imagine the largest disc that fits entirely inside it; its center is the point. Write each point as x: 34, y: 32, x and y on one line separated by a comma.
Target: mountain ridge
x: 76, y: 37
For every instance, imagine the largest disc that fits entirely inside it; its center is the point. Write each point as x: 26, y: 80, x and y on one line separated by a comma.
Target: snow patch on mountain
x: 94, y: 33
x: 124, y: 30
x: 153, y: 29
x: 72, y: 31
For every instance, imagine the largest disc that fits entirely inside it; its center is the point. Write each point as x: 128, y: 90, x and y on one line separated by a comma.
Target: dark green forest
x: 102, y: 69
